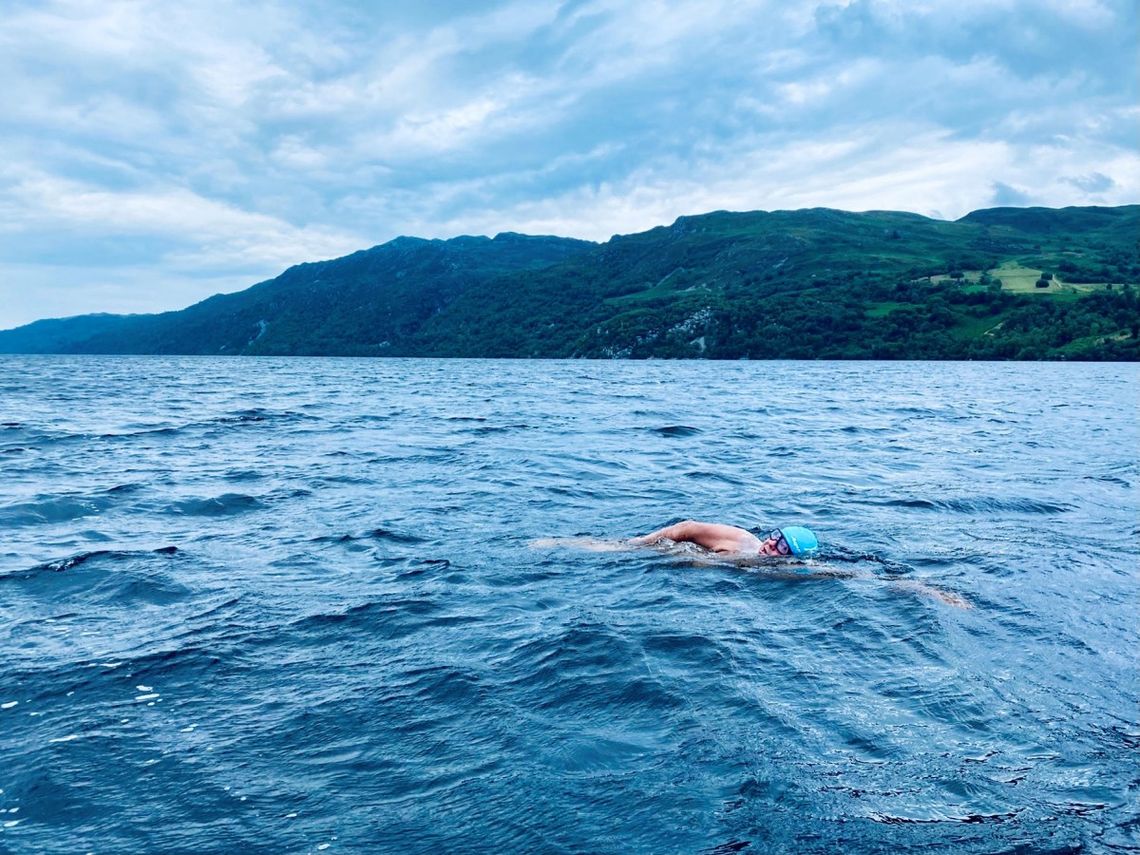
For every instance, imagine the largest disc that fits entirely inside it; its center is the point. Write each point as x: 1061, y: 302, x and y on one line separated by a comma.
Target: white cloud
x: 293, y: 152
x: 1090, y: 14
x: 201, y: 240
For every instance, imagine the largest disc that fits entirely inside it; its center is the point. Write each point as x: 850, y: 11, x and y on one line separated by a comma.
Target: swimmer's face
x: 775, y: 545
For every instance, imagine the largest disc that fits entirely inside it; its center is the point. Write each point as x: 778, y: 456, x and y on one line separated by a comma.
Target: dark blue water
x: 295, y: 606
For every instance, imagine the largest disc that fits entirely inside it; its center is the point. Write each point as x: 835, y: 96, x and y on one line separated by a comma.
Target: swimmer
x: 789, y: 541
x: 726, y: 540
x: 732, y: 542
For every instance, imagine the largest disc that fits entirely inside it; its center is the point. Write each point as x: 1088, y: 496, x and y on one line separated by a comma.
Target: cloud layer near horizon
x: 152, y: 154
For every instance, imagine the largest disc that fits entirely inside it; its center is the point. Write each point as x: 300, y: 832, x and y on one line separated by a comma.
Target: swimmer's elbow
x: 676, y: 532
x: 684, y: 530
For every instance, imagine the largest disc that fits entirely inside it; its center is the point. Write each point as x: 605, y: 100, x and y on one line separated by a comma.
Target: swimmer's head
x: 790, y: 540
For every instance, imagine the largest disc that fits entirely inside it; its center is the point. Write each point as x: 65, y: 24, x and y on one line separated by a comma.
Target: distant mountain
x: 1002, y: 283
x: 359, y: 304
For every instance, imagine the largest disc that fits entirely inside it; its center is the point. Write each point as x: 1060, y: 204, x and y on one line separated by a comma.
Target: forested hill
x: 1003, y: 283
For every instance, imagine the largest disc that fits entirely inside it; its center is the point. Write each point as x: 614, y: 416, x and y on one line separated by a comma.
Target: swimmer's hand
x: 948, y: 597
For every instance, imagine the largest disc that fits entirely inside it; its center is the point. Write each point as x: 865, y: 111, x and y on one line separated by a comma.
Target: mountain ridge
x: 807, y: 283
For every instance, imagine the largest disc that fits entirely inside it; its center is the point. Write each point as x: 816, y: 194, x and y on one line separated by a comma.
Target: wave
x: 66, y: 506
x: 1109, y: 479
x: 381, y: 534
x: 226, y: 504
x: 71, y: 562
x: 394, y: 536
x: 261, y: 414
x: 166, y: 430
x: 104, y: 578
x: 978, y: 504
x: 424, y: 567
x: 587, y: 665
x: 728, y: 848
x: 188, y: 665
x: 241, y: 475
x: 379, y: 620
x: 675, y: 430
x: 448, y: 686
x: 702, y: 475
x: 859, y: 429
x: 34, y: 437
x: 54, y: 509
x: 256, y: 415
x: 782, y: 451
x: 968, y: 819
x: 918, y: 411
x: 487, y: 430
x: 688, y: 650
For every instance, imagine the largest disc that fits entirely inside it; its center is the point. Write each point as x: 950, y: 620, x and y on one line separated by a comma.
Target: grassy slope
x: 707, y: 281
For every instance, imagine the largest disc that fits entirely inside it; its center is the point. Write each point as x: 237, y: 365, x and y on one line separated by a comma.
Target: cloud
x: 206, y: 143
x: 1094, y: 182
x: 902, y: 165
x: 221, y: 234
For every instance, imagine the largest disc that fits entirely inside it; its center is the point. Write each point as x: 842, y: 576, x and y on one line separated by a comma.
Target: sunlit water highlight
x: 295, y: 605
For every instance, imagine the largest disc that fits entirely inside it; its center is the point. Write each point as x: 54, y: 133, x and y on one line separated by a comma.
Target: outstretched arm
x: 593, y: 544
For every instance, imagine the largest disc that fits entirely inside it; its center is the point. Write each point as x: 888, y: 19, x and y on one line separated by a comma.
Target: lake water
x: 295, y: 605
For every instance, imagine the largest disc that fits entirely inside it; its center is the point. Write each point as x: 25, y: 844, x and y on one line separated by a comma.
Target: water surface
x: 293, y: 605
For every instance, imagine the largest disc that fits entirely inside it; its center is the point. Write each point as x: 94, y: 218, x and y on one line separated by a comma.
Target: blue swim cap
x: 801, y: 540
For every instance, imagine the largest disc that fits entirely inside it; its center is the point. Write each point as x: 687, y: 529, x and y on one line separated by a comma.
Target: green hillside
x: 1004, y: 283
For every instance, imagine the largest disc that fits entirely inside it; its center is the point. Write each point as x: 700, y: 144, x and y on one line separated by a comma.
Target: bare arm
x: 714, y: 536
x: 592, y: 544
x: 670, y: 532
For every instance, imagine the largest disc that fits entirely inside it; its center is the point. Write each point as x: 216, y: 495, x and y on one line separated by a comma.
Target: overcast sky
x: 154, y: 153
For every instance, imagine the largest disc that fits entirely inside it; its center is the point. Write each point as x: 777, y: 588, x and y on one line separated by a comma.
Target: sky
x: 155, y: 153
